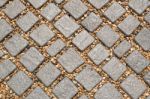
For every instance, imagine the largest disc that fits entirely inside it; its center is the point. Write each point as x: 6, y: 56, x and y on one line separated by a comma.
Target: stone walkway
x: 80, y: 49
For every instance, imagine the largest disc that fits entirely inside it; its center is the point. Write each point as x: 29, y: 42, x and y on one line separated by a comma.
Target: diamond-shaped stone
x: 37, y: 3
x: 98, y: 3
x: 147, y: 17
x: 147, y: 78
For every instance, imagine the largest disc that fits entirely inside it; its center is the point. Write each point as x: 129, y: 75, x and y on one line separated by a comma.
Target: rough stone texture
x: 98, y: 3
x: 147, y: 17
x: 147, y: 78
x: 133, y: 86
x: 20, y: 82
x: 37, y: 3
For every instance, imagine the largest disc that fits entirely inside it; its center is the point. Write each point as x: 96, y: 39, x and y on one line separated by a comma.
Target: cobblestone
x: 98, y: 3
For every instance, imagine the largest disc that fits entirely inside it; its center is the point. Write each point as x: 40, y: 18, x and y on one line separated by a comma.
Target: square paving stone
x: 91, y: 22
x: 50, y: 11
x: 70, y: 60
x: 6, y: 67
x: 76, y: 8
x: 37, y: 3
x: 108, y: 91
x: 143, y: 39
x: 147, y: 17
x: 107, y: 36
x: 137, y: 61
x: 58, y: 1
x: 133, y: 86
x: 98, y: 54
x: 5, y: 29
x: 122, y: 48
x: 15, y: 44
x: 38, y: 93
x: 114, y: 68
x: 129, y: 24
x: 88, y: 78
x: 2, y: 2
x: 98, y: 3
x: 32, y: 59
x: 42, y: 34
x: 66, y: 26
x: 147, y: 78
x: 83, y: 97
x: 14, y: 8
x: 48, y: 74
x: 56, y: 47
x: 139, y: 5
x: 27, y: 21
x: 65, y: 89
x: 83, y: 40
x: 114, y: 12
x: 20, y: 82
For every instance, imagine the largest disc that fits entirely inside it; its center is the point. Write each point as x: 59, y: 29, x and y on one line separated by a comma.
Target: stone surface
x: 98, y: 3
x: 147, y: 17
x: 2, y: 2
x: 147, y: 78
x: 58, y: 1
x: 37, y: 3
x: 83, y: 97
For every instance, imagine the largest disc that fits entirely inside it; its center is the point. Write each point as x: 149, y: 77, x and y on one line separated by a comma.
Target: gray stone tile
x: 98, y: 3
x: 76, y: 8
x: 114, y: 68
x: 147, y: 17
x: 108, y: 91
x: 42, y: 34
x: 137, y: 61
x: 83, y: 97
x: 83, y: 40
x: 58, y: 1
x: 129, y: 24
x: 37, y: 3
x: 32, y: 59
x: 65, y: 89
x: 56, y: 47
x: 66, y: 26
x: 38, y: 93
x: 27, y: 21
x: 98, y: 54
x: 143, y: 39
x: 122, y: 48
x: 107, y: 36
x: 2, y: 2
x: 114, y: 12
x: 50, y: 11
x: 133, y: 86
x: 139, y: 5
x: 14, y: 8
x: 48, y: 74
x: 91, y: 22
x: 20, y: 82
x: 147, y: 78
x: 15, y: 44
x: 93, y: 78
x: 5, y: 29
x: 70, y: 60
x: 6, y: 67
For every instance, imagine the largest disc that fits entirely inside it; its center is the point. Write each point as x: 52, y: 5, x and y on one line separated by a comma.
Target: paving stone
x: 83, y: 40
x: 91, y: 22
x: 37, y: 3
x: 50, y: 11
x: 48, y: 74
x: 32, y: 59
x: 5, y: 29
x: 147, y: 17
x: 98, y: 54
x: 107, y: 36
x: 147, y: 78
x: 133, y: 86
x: 108, y: 91
x: 38, y: 93
x: 98, y: 3
x: 65, y: 89
x: 143, y: 39
x: 20, y: 82
x: 6, y: 67
x: 14, y: 8
x: 70, y: 60
x: 27, y: 21
x: 2, y: 2
x: 148, y: 97
x: 137, y: 61
x: 114, y: 68
x: 15, y: 44
x: 93, y: 78
x: 114, y: 12
x: 42, y: 34
x: 122, y: 48
x: 83, y: 97
x: 66, y: 26
x: 56, y: 47
x: 1, y: 53
x: 76, y: 8
x: 129, y: 24
x: 58, y: 1
x: 139, y: 5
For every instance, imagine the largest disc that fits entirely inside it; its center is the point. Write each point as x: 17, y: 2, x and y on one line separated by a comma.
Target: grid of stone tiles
x: 80, y: 49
